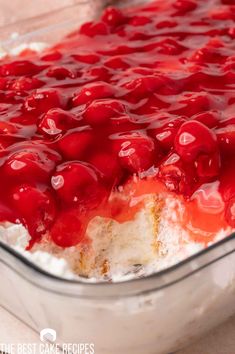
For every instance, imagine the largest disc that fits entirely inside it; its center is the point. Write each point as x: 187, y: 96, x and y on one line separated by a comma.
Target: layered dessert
x: 118, y: 143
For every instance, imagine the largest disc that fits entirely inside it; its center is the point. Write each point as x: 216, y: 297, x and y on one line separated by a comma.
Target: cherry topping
x: 56, y: 121
x: 68, y: 229
x: 30, y: 163
x: 117, y: 63
x: 26, y: 84
x: 139, y: 21
x: 77, y: 183
x: 35, y: 209
x: 193, y: 103
x: 3, y: 83
x: 100, y: 111
x: 92, y: 92
x: 113, y: 16
x: 165, y: 135
x: 136, y: 151
x: 210, y: 119
x: 226, y: 139
x: 177, y: 175
x: 73, y: 146
x: 43, y: 99
x: 19, y: 68
x: 108, y: 165
x: 208, y: 166
x: 92, y: 29
x: 184, y: 6
x: 144, y: 94
x: 87, y: 58
x: 7, y: 128
x: 192, y: 139
x: 61, y: 73
x: 51, y: 56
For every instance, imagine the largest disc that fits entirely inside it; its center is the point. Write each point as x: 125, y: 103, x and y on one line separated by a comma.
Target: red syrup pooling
x: 150, y: 90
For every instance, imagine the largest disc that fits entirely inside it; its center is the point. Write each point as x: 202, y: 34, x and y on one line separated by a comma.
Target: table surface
x: 219, y: 341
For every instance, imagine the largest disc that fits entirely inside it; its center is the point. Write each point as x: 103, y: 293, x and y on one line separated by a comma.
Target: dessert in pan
x: 117, y: 144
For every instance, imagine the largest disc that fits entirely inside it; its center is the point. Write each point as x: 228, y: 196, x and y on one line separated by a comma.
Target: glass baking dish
x: 154, y: 315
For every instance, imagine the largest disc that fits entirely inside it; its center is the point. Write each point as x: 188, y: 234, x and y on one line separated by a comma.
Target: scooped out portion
x: 117, y: 144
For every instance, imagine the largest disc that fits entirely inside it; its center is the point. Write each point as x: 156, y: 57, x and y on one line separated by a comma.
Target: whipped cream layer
x: 154, y: 240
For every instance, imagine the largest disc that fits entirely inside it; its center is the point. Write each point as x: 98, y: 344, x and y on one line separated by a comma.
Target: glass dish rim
x: 8, y: 250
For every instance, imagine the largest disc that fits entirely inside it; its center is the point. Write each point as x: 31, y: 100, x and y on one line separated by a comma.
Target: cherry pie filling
x: 140, y: 101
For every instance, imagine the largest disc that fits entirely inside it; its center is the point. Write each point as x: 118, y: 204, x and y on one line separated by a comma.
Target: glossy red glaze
x: 149, y: 92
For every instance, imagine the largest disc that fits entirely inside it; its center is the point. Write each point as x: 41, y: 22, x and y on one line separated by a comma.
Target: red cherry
x: 100, y: 111
x: 231, y: 32
x: 98, y: 73
x: 52, y: 56
x: 228, y: 67
x: 143, y: 86
x: 3, y: 83
x: 176, y: 175
x: 223, y: 13
x: 139, y: 21
x: 136, y: 151
x: 123, y: 123
x: 6, y: 140
x: 31, y: 163
x: 56, y: 121
x: 60, y: 73
x: 227, y: 190
x: 227, y: 122
x: 7, y: 128
x: 20, y: 68
x: 74, y: 146
x: 26, y: 84
x: 93, y: 29
x: 193, y: 103
x: 35, y: 209
x: 166, y: 24
x: 87, y: 58
x: 78, y: 183
x: 227, y: 2
x: 184, y: 6
x: 211, y: 119
x: 92, y: 92
x: 194, y: 138
x: 43, y: 99
x: 117, y: 62
x: 113, y: 16
x: 207, y: 55
x: 227, y: 186
x: 165, y: 134
x: 208, y: 166
x: 108, y: 164
x: 170, y: 47
x: 68, y: 229
x: 226, y: 139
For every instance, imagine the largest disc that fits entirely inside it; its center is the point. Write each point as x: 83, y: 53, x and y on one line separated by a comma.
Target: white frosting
x: 17, y: 237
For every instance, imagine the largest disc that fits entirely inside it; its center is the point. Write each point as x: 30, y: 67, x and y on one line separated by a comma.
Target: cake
x: 118, y: 143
